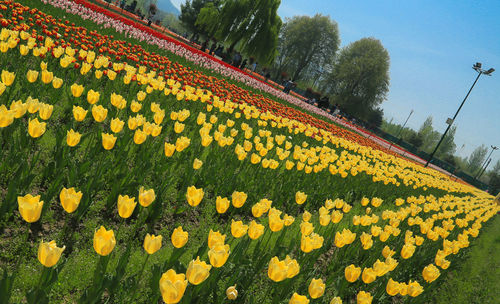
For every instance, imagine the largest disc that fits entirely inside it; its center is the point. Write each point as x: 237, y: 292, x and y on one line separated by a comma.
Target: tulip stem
x: 139, y: 276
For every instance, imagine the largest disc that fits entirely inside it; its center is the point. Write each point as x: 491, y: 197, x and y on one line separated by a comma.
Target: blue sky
x: 433, y: 45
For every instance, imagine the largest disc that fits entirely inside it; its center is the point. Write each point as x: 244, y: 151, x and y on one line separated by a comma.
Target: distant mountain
x: 168, y: 7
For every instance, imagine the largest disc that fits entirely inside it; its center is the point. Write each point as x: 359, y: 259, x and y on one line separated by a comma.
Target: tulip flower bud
x: 76, y: 90
x: 179, y: 237
x: 430, y: 273
x: 215, y: 238
x: 197, y: 164
x: 277, y: 270
x: 7, y: 77
x: 352, y: 273
x: 407, y: 251
x: 104, y: 241
x: 49, y: 254
x: 300, y: 197
x: 221, y: 204
x: 238, y: 199
x: 126, y: 205
x: 197, y: 271
x: 392, y: 287
x: 298, y: 299
x: 316, y: 288
x: 255, y: 230
x: 368, y: 275
x: 182, y: 143
x: 414, y: 289
x: 32, y: 75
x: 364, y: 298
x: 194, y: 196
x: 36, y: 128
x: 172, y: 286
x: 169, y: 149
x: 70, y: 199
x: 178, y: 127
x: 99, y: 113
x: 306, y: 216
x: 57, y: 82
x: 238, y: 229
x: 152, y: 243
x: 275, y: 223
x: 139, y: 137
x: 117, y: 125
x: 6, y: 116
x: 306, y: 228
x: 146, y: 197
x: 79, y: 113
x: 108, y: 141
x: 218, y: 255
x: 30, y: 207
x: 231, y: 293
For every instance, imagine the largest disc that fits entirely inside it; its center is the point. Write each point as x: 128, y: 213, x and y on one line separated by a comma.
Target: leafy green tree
x: 448, y: 145
x: 189, y: 14
x: 360, y: 77
x: 428, y: 135
x: 495, y: 179
x: 306, y: 44
x: 253, y: 25
x: 207, y: 15
x: 476, y: 159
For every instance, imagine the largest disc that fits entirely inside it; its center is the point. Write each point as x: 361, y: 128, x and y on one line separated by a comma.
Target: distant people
x: 212, y: 48
x: 254, y: 66
x: 243, y: 64
x: 287, y: 86
x: 267, y: 75
x: 218, y: 51
x: 204, y: 45
x: 237, y: 59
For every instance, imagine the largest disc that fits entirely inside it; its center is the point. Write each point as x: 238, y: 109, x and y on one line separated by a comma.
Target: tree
x: 360, y: 77
x: 205, y: 18
x: 307, y: 44
x: 376, y: 117
x: 476, y: 159
x: 448, y: 146
x: 428, y: 135
x: 190, y: 11
x: 252, y: 24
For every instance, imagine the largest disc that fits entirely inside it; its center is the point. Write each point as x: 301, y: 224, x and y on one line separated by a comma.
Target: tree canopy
x: 360, y: 77
x: 476, y: 159
x: 190, y: 11
x: 306, y: 43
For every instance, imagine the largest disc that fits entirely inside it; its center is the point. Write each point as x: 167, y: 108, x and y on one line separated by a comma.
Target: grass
x: 477, y: 280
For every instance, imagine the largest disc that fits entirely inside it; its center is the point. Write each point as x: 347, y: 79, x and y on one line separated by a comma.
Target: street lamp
x: 477, y: 68
x: 493, y: 148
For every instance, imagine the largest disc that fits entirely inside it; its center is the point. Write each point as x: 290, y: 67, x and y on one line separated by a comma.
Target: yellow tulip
x: 6, y: 116
x: 116, y: 125
x: 197, y: 164
x: 364, y: 298
x: 430, y: 273
x: 47, y: 77
x: 135, y: 106
x: 178, y: 127
x: 194, y: 196
x: 179, y: 237
x: 36, y: 128
x: 140, y: 136
x: 18, y: 108
x: 238, y: 199
x: 32, y: 75
x: 7, y: 77
x: 57, y: 82
x: 306, y: 216
x: 392, y: 288
x: 169, y: 149
x: 407, y: 251
x: 126, y: 205
x: 306, y: 228
x: 146, y: 197
x: 221, y: 204
x: 76, y: 90
x: 306, y: 244
x: 182, y: 143
x: 141, y: 95
x: 104, y: 241
x: 277, y: 270
x: 152, y: 243
x: 368, y: 275
x: 197, y: 271
x: 255, y: 230
x: 172, y: 286
x: 30, y: 207
x: 352, y: 273
x: 33, y: 105
x: 108, y: 141
x: 288, y: 219
x: 316, y: 288
x: 298, y: 299
x: 300, y: 197
x: 231, y: 293
x: 276, y: 223
x: 79, y: 113
x: 45, y: 111
x: 215, y: 238
x: 99, y: 113
x: 70, y: 199
x: 238, y: 229
x: 414, y: 289
x: 93, y: 97
x: 218, y: 255
x: 336, y: 300
x: 49, y: 254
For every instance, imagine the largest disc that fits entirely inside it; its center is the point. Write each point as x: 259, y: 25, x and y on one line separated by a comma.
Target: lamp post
x: 484, y: 169
x: 493, y: 148
x: 401, y: 129
x: 477, y: 68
